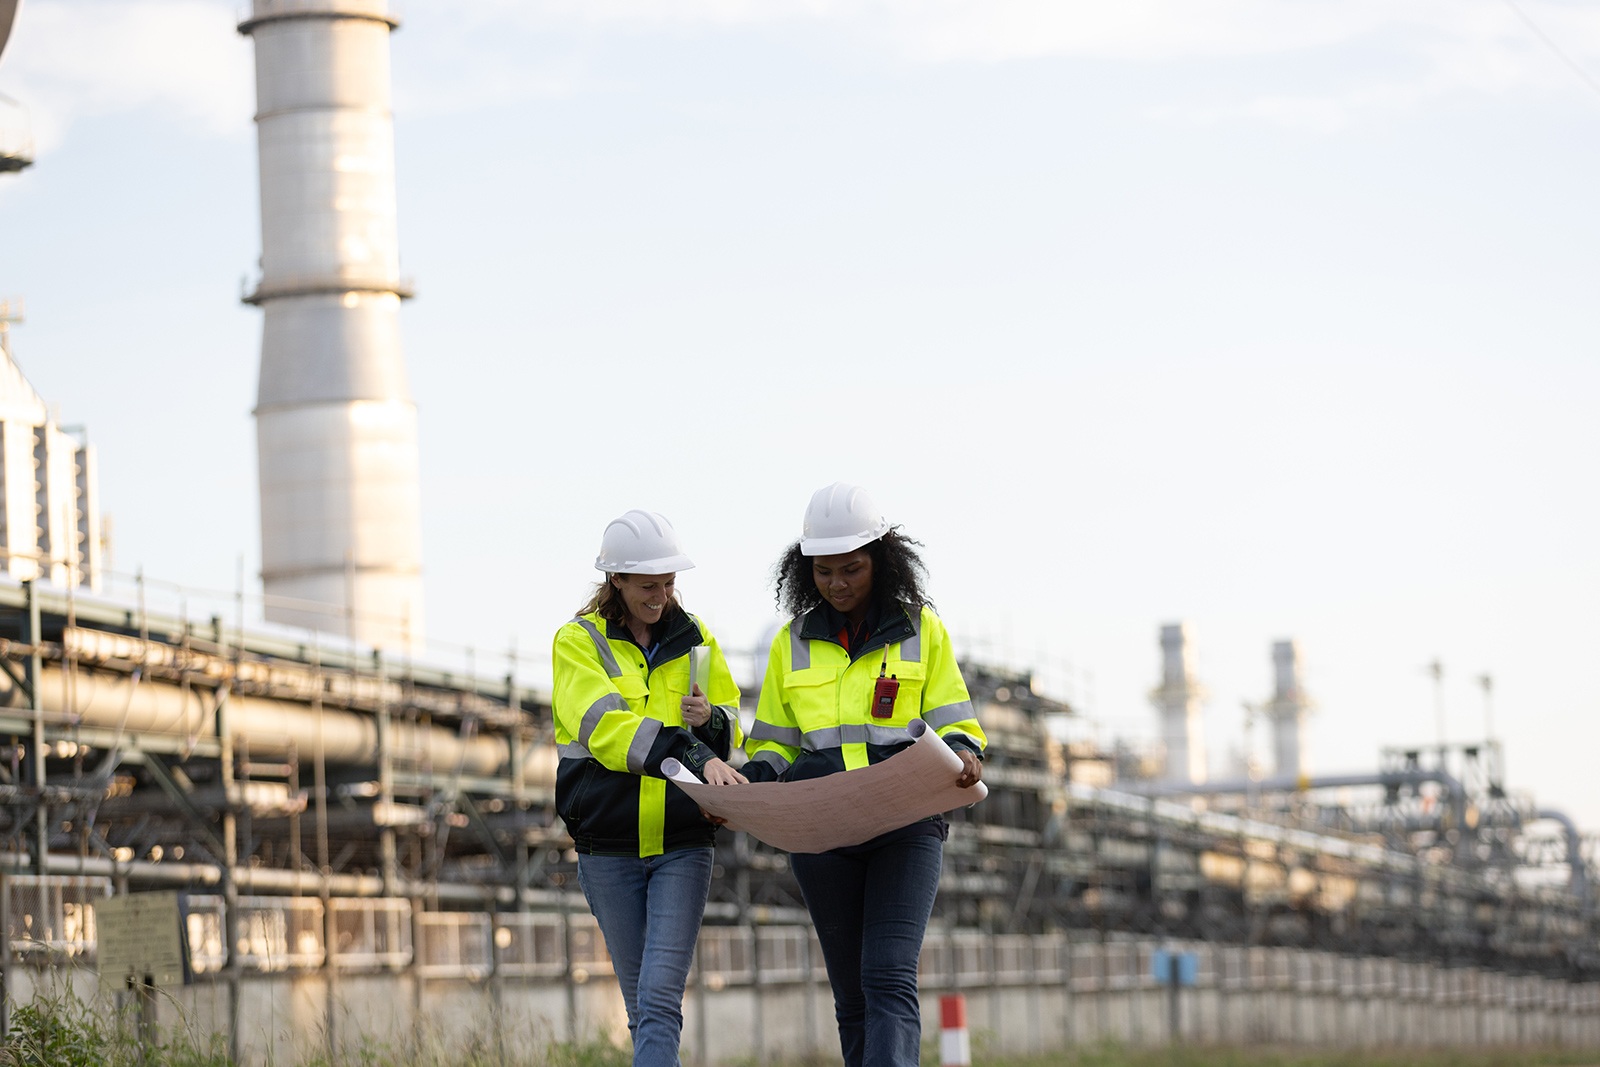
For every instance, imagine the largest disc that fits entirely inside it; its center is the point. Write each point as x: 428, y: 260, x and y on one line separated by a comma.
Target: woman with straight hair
x: 638, y: 679
x: 862, y: 656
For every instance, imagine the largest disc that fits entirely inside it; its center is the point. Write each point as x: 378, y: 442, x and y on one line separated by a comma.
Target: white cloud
x: 1483, y: 54
x: 946, y: 30
x: 1448, y: 46
x: 72, y: 60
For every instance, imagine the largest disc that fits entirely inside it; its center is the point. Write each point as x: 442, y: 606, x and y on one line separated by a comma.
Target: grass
x: 478, y: 1053
x: 1269, y: 1056
x: 61, y: 1030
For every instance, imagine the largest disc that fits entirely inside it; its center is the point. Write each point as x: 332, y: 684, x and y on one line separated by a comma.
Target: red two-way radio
x: 884, y: 692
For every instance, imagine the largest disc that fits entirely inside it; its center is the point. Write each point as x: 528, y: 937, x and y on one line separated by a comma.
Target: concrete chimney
x: 1178, y: 700
x: 1288, y: 711
x: 336, y: 429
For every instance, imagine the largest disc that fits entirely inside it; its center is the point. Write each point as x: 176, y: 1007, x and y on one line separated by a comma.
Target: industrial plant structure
x: 49, y: 499
x: 16, y: 134
x: 336, y: 429
x: 339, y: 815
x: 368, y: 843
x: 1179, y: 699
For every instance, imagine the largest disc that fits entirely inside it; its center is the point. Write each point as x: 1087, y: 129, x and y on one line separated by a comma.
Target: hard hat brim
x: 664, y: 565
x: 836, y: 546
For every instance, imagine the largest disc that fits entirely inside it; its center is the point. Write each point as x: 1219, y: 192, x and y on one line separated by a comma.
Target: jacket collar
x: 676, y: 634
x: 893, y: 625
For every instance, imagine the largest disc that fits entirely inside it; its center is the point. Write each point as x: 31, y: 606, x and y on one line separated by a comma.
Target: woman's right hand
x: 717, y: 772
x: 971, y: 769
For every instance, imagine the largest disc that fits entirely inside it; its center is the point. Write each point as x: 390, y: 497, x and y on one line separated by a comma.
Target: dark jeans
x: 649, y: 910
x: 871, y: 909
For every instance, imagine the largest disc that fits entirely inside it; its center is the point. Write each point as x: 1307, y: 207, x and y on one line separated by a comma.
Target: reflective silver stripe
x: 817, y: 740
x: 948, y: 714
x: 573, y: 750
x: 784, y: 735
x: 596, y: 712
x: 878, y: 735
x: 911, y: 647
x: 608, y: 659
x: 642, y: 740
x: 730, y: 710
x: 799, y: 648
x: 768, y: 756
x: 854, y: 734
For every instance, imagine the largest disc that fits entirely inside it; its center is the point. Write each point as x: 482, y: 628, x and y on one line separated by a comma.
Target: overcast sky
x: 1278, y: 316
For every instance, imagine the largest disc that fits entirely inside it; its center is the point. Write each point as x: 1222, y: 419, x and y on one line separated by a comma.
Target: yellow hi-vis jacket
x: 816, y: 711
x: 617, y: 716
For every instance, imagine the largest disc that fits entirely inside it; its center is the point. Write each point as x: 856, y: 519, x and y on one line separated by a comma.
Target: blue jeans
x: 649, y: 910
x: 871, y: 909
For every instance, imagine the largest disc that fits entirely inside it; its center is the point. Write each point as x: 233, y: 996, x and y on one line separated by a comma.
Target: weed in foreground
x: 60, y: 1029
x: 1112, y: 1055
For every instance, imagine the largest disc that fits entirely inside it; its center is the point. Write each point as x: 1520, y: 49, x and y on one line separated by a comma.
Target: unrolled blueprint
x: 842, y: 809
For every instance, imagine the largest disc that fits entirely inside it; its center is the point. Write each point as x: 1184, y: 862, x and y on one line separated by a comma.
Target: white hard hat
x: 840, y: 518
x: 641, y: 542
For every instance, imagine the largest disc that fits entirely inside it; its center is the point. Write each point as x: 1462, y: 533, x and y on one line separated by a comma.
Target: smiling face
x: 845, y: 580
x: 646, y: 595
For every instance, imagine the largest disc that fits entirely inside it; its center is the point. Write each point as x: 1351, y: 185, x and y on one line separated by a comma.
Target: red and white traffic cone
x: 954, y: 1048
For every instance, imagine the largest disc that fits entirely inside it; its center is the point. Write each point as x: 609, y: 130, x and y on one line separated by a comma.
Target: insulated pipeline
x: 118, y: 703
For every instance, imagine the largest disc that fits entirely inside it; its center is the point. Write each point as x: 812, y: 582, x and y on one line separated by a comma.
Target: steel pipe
x: 122, y: 704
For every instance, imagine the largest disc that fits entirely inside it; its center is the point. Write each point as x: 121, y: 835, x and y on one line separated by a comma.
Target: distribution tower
x: 336, y: 429
x: 1179, y: 701
x: 1288, y: 711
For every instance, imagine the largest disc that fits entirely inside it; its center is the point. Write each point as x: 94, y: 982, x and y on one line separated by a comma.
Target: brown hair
x: 606, y: 599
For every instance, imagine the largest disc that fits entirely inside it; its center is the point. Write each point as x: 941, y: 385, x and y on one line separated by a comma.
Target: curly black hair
x: 898, y: 575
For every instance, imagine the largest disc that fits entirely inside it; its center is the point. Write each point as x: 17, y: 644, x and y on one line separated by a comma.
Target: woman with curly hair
x: 862, y: 656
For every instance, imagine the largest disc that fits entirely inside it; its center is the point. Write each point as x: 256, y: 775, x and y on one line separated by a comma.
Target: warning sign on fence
x: 142, y: 938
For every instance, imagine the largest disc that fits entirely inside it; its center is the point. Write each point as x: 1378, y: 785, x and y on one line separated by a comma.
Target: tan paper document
x: 841, y: 809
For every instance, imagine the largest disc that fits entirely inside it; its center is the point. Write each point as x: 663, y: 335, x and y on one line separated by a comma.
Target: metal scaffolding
x: 329, y: 809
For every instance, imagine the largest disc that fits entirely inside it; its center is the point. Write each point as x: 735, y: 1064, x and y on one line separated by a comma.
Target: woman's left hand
x: 971, y: 769
x: 696, y: 709
x: 716, y: 772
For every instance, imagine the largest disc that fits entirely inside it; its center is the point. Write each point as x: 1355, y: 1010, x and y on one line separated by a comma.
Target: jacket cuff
x: 696, y: 758
x: 680, y: 744
x: 963, y: 741
x: 759, y: 770
x: 715, y: 733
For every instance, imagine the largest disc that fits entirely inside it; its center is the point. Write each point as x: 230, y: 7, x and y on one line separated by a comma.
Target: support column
x: 566, y: 971
x: 35, y: 667
x: 758, y: 1022
x: 319, y: 772
x: 386, y: 843
x: 809, y: 997
x: 230, y: 886
x: 5, y: 955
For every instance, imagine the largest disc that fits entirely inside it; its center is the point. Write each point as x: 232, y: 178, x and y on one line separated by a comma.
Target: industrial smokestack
x: 1288, y: 711
x: 1178, y: 700
x: 336, y: 430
